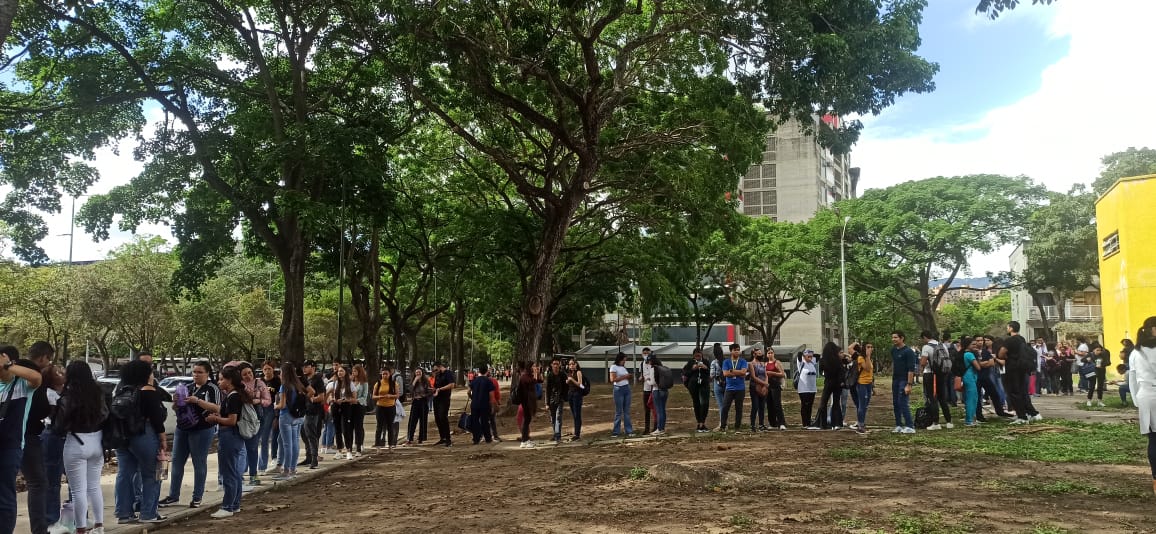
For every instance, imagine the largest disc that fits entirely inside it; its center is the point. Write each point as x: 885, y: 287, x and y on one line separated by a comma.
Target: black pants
x: 482, y: 422
x: 1095, y: 384
x: 736, y: 398
x: 343, y: 425
x: 32, y: 465
x: 418, y: 417
x: 775, y: 408
x: 832, y: 391
x: 935, y: 387
x: 987, y: 383
x: 1152, y: 453
x: 527, y: 415
x: 806, y: 402
x: 1015, y: 384
x: 311, y: 434
x: 1066, y: 382
x: 357, y: 421
x: 700, y: 397
x: 646, y: 410
x: 386, y: 432
x: 442, y: 417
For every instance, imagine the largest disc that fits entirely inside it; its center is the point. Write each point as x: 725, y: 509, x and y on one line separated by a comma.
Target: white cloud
x: 1094, y: 101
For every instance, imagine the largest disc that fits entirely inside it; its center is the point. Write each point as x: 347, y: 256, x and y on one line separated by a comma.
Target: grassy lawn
x: 1110, y: 404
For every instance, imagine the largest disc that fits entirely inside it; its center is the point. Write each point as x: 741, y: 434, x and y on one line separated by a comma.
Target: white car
x: 108, y: 385
x: 169, y: 384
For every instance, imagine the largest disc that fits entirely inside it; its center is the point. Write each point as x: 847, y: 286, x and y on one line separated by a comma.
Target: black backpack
x: 663, y: 377
x: 585, y: 385
x: 1022, y: 360
x: 125, y: 420
x: 922, y: 418
x: 957, y: 366
x: 298, y: 405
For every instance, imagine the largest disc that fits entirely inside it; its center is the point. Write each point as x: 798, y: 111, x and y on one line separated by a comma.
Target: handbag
x: 959, y: 383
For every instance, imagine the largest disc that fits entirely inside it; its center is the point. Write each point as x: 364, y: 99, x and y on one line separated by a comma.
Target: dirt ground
x: 767, y: 482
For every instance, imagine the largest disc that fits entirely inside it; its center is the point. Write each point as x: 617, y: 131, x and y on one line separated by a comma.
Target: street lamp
x: 843, y: 274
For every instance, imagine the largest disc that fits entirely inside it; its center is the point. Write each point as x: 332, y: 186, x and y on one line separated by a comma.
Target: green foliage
x: 1131, y: 162
x: 742, y: 521
x: 638, y: 473
x: 1063, y: 487
x: 994, y: 8
x: 1048, y: 528
x: 969, y: 317
x: 1071, y: 441
x: 927, y: 523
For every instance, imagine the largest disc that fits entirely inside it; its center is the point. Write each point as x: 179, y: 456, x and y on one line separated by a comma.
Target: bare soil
x: 766, y: 482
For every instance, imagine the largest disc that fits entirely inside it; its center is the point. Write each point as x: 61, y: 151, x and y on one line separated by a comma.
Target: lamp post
x: 843, y: 274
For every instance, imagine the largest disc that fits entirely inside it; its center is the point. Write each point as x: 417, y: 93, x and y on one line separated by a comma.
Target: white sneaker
x: 338, y: 455
x: 898, y: 430
x: 948, y: 426
x: 530, y: 445
x: 935, y: 427
x: 1100, y: 403
x: 522, y: 445
x: 245, y: 488
x: 657, y: 433
x: 96, y: 530
x: 58, y: 528
x: 1089, y: 404
x: 324, y: 450
x: 1036, y: 418
x: 349, y: 456
x: 908, y: 430
x: 1019, y: 422
x: 221, y: 514
x: 782, y: 427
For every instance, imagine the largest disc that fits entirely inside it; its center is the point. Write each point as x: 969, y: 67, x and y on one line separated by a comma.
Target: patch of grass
x: 638, y: 473
x: 852, y: 523
x: 1111, y: 404
x: 1048, y: 528
x: 742, y: 521
x: 926, y: 524
x: 1062, y: 487
x: 853, y: 453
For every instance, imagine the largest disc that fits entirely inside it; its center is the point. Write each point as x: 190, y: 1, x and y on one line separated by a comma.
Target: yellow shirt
x: 866, y: 373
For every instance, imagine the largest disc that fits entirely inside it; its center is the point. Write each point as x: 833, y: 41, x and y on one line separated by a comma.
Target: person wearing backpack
x: 663, y: 381
x: 291, y: 407
x: 314, y: 413
x: 80, y: 415
x: 1096, y: 372
x: 260, y: 401
x: 696, y: 376
x: 137, y: 429
x: 556, y: 396
x: 193, y: 437
x: 577, y: 387
x: 230, y: 441
x: 1019, y: 361
x: 935, y: 360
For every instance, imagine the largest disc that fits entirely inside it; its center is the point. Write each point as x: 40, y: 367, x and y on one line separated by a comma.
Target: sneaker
x: 254, y: 481
x: 630, y: 435
x: 349, y: 456
x: 281, y: 476
x: 935, y: 427
x: 656, y: 433
x: 948, y: 426
x: 167, y: 501
x: 274, y: 470
x: 718, y: 429
x: 1100, y: 404
x: 908, y: 430
x: 898, y: 430
x: 1089, y: 404
x: 522, y: 445
x: 324, y: 450
x: 782, y: 427
x: 817, y: 428
x: 530, y: 445
x: 1037, y: 417
x: 1019, y: 422
x: 836, y: 428
x: 860, y: 430
x: 58, y: 528
x: 338, y: 456
x: 314, y: 466
x: 127, y: 520
x: 96, y: 530
x: 973, y: 423
x: 158, y: 519
x: 194, y: 504
x: 246, y: 488
x: 221, y: 514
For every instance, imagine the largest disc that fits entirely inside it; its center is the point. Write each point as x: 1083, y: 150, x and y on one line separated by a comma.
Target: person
x: 806, y: 383
x: 660, y: 394
x: 385, y: 395
x: 902, y: 374
x: 497, y: 403
x: 865, y: 387
x: 360, y: 381
x: 261, y: 400
x: 831, y: 363
x: 620, y: 378
x: 719, y: 386
x: 227, y: 416
x: 1082, y: 351
x: 734, y: 371
x: 936, y: 382
x: 970, y: 381
x: 1018, y: 364
x: 647, y: 389
x: 269, y: 432
x: 696, y: 376
x: 314, y: 413
x: 341, y: 401
x: 1067, y: 361
x: 527, y: 399
x: 290, y: 424
x: 1142, y: 382
x: 482, y: 405
x: 444, y: 384
x: 328, y: 433
x: 1100, y: 360
x: 39, y: 359
x: 575, y: 390
x: 760, y: 390
x: 193, y: 437
x: 556, y: 389
x: 52, y: 379
x: 418, y: 408
x: 139, y: 456
x: 775, y: 376
x: 1122, y: 370
x: 989, y: 378
x: 17, y: 384
x: 80, y: 415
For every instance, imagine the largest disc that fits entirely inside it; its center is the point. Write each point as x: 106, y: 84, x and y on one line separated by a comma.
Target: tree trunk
x: 1043, y: 315
x: 291, y: 340
x: 458, y: 335
x: 7, y: 15
x: 536, y: 296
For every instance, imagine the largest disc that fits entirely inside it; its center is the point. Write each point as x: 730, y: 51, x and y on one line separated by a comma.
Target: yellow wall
x: 1128, y: 277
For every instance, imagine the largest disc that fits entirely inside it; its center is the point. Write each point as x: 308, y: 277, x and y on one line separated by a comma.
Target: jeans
x: 775, y: 417
x: 831, y: 393
x: 441, y: 406
x: 863, y: 393
x: 249, y: 454
x: 1096, y: 384
x: 988, y: 384
x: 622, y: 410
x: 194, y: 444
x: 660, y: 396
x: 935, y: 387
x: 970, y: 400
x: 9, y: 466
x: 229, y: 445
x: 264, y: 435
x: 342, y: 415
x: 32, y: 467
x: 139, y: 458
x: 576, y: 413
x: 418, y: 417
x: 758, y: 409
x: 311, y: 433
x: 719, y: 391
x: 806, y: 401
x: 556, y: 420
x: 328, y: 434
x: 83, y: 463
x: 901, y: 403
x: 53, y: 469
x: 386, y: 432
x: 1124, y: 390
x: 700, y: 397
x: 732, y: 396
x: 290, y: 430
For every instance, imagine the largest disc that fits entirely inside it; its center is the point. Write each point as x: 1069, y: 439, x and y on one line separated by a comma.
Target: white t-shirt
x: 808, y: 378
x: 647, y: 377
x: 928, y: 352
x: 621, y: 372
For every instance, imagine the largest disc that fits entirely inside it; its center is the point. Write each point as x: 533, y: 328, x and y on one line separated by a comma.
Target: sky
x: 1044, y: 91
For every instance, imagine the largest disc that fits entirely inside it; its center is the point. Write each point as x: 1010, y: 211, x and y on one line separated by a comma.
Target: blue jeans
x: 289, y: 429
x: 1124, y: 390
x: 576, y: 413
x: 265, y: 434
x: 719, y: 390
x: 9, y: 465
x: 863, y: 392
x: 53, y: 469
x: 328, y: 434
x: 229, y: 448
x: 139, y: 459
x: 190, y: 444
x: 622, y: 410
x: 251, y: 446
x: 901, y: 403
x: 556, y: 420
x: 660, y: 396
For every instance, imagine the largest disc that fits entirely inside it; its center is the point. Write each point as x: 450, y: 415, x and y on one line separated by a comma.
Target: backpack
x: 1023, y: 360
x: 125, y: 420
x: 298, y: 405
x: 585, y: 385
x: 399, y: 385
x: 922, y: 418
x: 851, y: 377
x: 941, y: 361
x: 247, y: 422
x: 663, y: 377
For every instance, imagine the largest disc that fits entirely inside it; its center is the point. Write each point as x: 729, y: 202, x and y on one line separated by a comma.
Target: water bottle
x: 163, y: 465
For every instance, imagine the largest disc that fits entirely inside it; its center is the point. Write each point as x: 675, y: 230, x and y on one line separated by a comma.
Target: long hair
x: 289, y: 378
x: 618, y: 360
x: 342, y: 383
x: 234, y: 377
x: 135, y: 373
x: 1144, y: 337
x: 85, y: 399
x: 717, y: 351
x: 359, y: 375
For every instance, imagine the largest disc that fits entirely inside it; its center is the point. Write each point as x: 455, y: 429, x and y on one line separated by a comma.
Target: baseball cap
x: 809, y: 351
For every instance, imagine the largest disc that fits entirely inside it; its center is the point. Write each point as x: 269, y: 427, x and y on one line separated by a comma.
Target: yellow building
x: 1126, y: 228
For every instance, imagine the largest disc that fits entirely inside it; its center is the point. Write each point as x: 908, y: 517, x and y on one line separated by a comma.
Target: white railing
x: 1072, y: 312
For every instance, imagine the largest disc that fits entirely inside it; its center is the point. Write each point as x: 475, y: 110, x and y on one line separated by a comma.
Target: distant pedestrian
x: 696, y: 376
x: 620, y: 379
x: 903, y: 367
x: 576, y: 390
x: 806, y: 384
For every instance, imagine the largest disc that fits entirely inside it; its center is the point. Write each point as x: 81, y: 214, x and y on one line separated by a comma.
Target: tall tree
x: 554, y: 94
x: 995, y: 8
x: 1062, y: 251
x: 1131, y: 162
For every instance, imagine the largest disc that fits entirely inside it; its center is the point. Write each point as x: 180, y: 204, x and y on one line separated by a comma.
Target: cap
x: 809, y: 351
x: 309, y: 363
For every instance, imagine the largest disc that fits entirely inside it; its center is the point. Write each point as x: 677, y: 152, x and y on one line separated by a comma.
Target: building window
x: 749, y: 184
x: 751, y: 210
x: 1111, y: 244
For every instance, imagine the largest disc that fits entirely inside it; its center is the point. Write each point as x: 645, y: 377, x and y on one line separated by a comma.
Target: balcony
x: 1073, y: 312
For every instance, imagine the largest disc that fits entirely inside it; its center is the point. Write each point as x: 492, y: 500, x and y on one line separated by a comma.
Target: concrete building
x: 1080, y: 307
x: 964, y: 292
x: 1124, y: 227
x: 796, y: 178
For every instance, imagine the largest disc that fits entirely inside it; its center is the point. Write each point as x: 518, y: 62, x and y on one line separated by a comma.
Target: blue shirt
x: 903, y: 361
x: 735, y: 383
x: 481, y: 388
x: 971, y: 374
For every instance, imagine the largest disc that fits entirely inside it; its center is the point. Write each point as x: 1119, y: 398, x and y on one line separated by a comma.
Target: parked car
x: 170, y: 384
x: 108, y: 385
